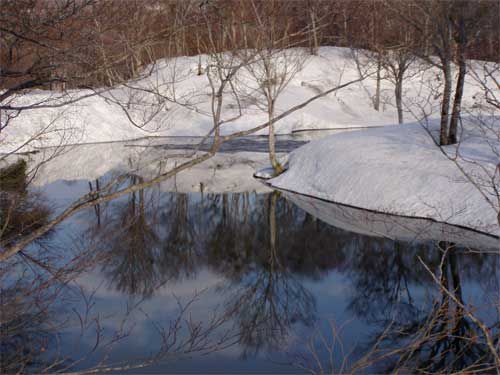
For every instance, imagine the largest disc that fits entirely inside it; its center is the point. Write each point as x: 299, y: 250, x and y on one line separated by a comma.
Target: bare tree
x: 276, y: 63
x: 446, y: 29
x: 221, y: 71
x: 397, y: 62
x: 481, y: 124
x: 67, y: 51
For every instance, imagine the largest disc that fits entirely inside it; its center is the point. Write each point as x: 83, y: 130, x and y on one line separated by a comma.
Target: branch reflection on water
x: 441, y: 334
x: 265, y: 251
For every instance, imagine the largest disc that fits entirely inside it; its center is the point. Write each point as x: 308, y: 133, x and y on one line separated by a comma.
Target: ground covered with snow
x: 379, y: 166
x: 400, y: 170
x: 129, y: 112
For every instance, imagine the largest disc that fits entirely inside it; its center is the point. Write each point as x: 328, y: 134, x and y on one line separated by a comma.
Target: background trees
x: 449, y: 33
x: 92, y: 43
x: 50, y: 48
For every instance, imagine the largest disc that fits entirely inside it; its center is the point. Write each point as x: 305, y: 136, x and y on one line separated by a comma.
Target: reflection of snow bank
x: 225, y: 172
x: 396, y: 170
x: 389, y: 226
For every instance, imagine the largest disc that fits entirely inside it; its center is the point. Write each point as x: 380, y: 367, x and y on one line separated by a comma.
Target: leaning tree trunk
x: 445, y: 104
x: 272, y: 142
x: 457, y: 102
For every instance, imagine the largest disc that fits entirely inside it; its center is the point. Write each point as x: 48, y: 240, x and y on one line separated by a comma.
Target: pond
x: 182, y: 278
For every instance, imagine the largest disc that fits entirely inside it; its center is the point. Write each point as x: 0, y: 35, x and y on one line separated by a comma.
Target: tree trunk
x: 245, y: 37
x: 233, y: 31
x: 315, y: 43
x: 459, y: 91
x: 457, y: 102
x: 376, y: 100
x: 200, y: 71
x: 398, y: 92
x: 445, y: 104
x: 345, y: 18
x: 272, y: 147
x: 426, y: 38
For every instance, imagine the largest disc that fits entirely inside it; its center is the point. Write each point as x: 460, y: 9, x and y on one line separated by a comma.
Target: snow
x: 380, y: 167
x: 225, y: 172
x: 265, y: 173
x: 268, y: 171
x: 394, y: 170
x: 101, y: 119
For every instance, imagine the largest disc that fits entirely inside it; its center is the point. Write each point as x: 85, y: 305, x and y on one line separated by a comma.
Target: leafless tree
x: 275, y: 65
x: 446, y: 29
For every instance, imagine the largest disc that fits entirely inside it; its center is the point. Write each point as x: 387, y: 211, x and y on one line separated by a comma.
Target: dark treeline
x: 82, y: 43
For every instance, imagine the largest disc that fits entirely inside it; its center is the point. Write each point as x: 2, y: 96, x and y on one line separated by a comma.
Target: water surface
x: 209, y: 282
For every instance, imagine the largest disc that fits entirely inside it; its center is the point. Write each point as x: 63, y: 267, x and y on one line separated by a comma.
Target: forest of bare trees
x: 92, y: 44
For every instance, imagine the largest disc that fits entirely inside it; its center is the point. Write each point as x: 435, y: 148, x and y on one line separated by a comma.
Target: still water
x: 165, y: 281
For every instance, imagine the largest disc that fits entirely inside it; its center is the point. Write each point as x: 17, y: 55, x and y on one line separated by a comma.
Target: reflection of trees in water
x: 265, y: 247
x: 382, y: 278
x: 266, y: 257
x: 147, y: 242
x: 179, y: 255
x: 22, y: 211
x: 131, y: 244
x: 37, y: 304
x: 24, y: 313
x: 268, y: 298
x: 444, y: 338
x: 431, y: 336
x: 179, y: 233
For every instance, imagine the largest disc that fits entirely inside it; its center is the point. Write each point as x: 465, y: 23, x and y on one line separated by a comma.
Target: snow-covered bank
x: 396, y: 170
x: 101, y: 119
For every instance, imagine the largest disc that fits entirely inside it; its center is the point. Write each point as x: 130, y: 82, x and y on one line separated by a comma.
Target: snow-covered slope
x: 396, y: 170
x: 101, y: 119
